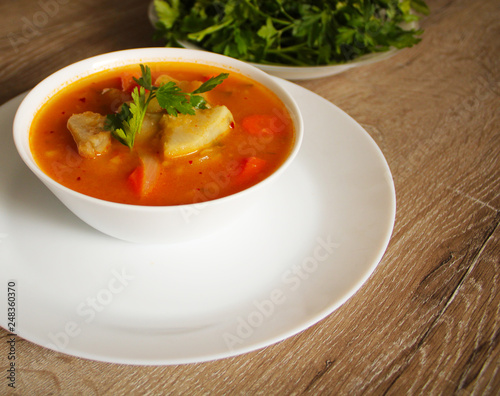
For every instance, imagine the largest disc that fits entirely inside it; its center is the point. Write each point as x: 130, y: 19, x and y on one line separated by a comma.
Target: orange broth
x: 240, y: 159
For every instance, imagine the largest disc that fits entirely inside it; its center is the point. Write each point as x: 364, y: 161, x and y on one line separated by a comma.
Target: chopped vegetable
x: 143, y: 178
x: 136, y: 179
x: 86, y: 129
x: 263, y: 124
x: 128, y: 82
x: 125, y: 124
x: 186, y: 134
x: 290, y: 32
x: 251, y: 167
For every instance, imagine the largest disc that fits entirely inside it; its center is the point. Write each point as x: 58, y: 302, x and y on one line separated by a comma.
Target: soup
x: 239, y: 136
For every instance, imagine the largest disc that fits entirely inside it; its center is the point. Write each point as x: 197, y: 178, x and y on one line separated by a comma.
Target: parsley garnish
x: 290, y: 32
x: 125, y: 124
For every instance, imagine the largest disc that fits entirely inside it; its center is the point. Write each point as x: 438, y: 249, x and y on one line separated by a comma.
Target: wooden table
x: 427, y: 321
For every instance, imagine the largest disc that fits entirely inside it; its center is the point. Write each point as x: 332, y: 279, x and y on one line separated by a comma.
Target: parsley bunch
x: 125, y: 124
x: 290, y: 32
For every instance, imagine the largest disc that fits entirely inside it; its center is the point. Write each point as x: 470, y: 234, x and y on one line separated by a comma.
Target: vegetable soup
x: 162, y: 134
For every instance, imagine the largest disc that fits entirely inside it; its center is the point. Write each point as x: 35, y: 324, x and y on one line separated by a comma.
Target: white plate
x: 312, y: 72
x: 291, y: 261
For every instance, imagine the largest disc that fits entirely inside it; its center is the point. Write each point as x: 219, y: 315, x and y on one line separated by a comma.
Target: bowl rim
x: 52, y: 84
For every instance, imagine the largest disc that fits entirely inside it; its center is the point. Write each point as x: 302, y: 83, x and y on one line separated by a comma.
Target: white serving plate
x: 289, y: 263
x: 296, y: 73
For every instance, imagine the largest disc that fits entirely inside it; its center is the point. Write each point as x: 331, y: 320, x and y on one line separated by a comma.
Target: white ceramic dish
x: 296, y: 73
x: 296, y: 258
x: 154, y: 224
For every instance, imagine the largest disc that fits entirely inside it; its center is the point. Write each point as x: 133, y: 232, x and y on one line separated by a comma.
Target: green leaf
x: 117, y: 124
x: 268, y: 32
x: 125, y: 124
x: 200, y: 35
x: 145, y: 79
x: 138, y: 109
x: 128, y: 122
x: 211, y: 83
x: 167, y: 12
x: 242, y: 41
x: 173, y: 100
x: 198, y: 102
x: 420, y: 6
x: 115, y: 121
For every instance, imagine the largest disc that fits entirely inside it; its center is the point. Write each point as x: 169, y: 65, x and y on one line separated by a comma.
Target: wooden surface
x: 427, y: 321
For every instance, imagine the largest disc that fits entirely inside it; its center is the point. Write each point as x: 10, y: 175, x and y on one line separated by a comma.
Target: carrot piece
x: 128, y: 83
x: 260, y: 124
x: 136, y: 179
x: 143, y: 178
x: 251, y: 167
x: 207, y: 77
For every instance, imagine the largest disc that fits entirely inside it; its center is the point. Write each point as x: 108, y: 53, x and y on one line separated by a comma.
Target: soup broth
x: 259, y: 138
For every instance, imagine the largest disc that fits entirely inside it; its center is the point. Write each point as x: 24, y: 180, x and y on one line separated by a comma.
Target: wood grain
x: 33, y: 46
x: 428, y: 320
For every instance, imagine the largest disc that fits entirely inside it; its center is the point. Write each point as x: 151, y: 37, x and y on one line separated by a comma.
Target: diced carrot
x: 136, y: 179
x: 128, y: 83
x: 143, y: 178
x: 207, y: 77
x: 251, y: 167
x: 263, y: 124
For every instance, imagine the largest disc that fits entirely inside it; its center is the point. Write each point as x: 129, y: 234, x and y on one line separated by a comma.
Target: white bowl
x: 150, y: 224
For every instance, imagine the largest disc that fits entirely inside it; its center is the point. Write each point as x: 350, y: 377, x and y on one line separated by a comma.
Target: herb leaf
x: 138, y: 109
x: 173, y: 100
x: 198, y: 102
x: 125, y: 124
x: 291, y: 32
x: 168, y: 14
x: 145, y: 79
x: 210, y: 83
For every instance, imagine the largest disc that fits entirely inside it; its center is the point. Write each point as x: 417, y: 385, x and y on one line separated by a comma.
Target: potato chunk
x: 149, y: 130
x: 186, y: 134
x: 116, y: 97
x: 163, y: 79
x: 87, y: 131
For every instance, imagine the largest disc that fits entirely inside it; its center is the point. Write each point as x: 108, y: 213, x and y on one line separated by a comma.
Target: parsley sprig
x: 291, y: 32
x: 125, y: 124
